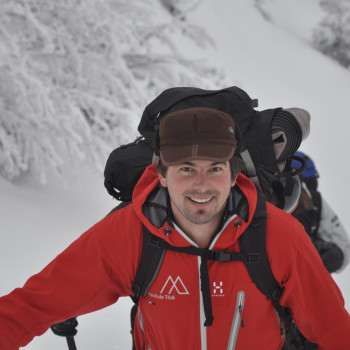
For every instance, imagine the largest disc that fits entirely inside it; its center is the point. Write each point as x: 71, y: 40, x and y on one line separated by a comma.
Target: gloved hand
x: 305, y: 218
x: 65, y: 328
x: 331, y: 255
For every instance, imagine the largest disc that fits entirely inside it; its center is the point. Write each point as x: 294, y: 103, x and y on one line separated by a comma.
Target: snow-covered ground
x: 265, y: 51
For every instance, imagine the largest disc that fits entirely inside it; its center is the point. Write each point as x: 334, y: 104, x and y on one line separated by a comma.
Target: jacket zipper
x: 237, y: 322
x: 201, y: 303
x: 142, y: 330
x: 281, y: 325
x: 203, y: 331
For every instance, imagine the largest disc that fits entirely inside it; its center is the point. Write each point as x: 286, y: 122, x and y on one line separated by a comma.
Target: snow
x: 263, y: 49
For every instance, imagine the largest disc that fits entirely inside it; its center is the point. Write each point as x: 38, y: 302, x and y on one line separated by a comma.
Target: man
x: 196, y: 198
x: 320, y: 221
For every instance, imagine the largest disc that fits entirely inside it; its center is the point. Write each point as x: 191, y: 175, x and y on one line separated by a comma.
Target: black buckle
x: 253, y: 258
x: 221, y: 256
x: 155, y: 241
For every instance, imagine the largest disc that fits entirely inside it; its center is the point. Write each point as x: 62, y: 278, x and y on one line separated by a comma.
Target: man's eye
x: 216, y: 169
x: 186, y: 169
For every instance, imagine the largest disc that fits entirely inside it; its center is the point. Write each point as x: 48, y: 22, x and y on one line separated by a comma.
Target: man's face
x: 198, y: 190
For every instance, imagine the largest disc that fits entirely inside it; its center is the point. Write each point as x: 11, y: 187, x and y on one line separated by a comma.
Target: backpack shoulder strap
x: 254, y: 241
x: 151, y: 259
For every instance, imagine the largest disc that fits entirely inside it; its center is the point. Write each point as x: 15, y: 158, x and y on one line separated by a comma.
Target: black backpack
x: 267, y: 141
x: 271, y: 172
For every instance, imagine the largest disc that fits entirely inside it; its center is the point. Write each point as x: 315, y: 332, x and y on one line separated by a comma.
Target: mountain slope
x: 273, y: 61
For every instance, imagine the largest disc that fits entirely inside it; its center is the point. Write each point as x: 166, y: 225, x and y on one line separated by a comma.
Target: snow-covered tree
x: 76, y: 75
x: 180, y: 7
x: 332, y: 36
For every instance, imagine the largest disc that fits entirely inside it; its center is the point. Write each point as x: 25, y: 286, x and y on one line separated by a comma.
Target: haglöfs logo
x: 218, y: 289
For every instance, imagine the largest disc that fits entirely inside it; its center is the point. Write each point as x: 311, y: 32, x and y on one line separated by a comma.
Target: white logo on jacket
x: 218, y: 290
x: 171, y: 285
x: 170, y: 288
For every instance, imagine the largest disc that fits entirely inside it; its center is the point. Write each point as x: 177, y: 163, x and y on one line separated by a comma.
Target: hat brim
x: 185, y: 153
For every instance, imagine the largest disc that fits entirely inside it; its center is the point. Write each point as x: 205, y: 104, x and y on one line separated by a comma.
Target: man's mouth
x: 200, y: 200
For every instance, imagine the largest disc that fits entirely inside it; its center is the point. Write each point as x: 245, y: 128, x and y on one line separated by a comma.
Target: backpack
x: 267, y: 141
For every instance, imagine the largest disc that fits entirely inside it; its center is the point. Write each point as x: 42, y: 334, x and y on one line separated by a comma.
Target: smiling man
x: 194, y: 197
x: 198, y: 192
x: 197, y: 150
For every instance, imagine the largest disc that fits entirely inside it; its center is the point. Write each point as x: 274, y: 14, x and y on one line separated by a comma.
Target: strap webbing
x: 205, y: 289
x: 71, y: 343
x: 151, y: 260
x: 254, y: 240
x: 214, y: 255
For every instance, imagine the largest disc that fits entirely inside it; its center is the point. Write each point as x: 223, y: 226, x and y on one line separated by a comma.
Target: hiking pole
x: 67, y: 329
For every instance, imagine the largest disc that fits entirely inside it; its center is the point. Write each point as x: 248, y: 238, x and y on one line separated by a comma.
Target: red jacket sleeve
x: 90, y: 274
x: 310, y: 292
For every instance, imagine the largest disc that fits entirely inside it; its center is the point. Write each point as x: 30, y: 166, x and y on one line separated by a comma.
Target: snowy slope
x: 268, y: 54
x: 37, y: 224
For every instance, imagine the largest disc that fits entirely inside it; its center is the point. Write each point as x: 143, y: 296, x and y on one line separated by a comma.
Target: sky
x: 266, y: 52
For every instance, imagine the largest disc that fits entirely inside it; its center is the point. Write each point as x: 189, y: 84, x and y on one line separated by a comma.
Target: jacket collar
x: 152, y: 205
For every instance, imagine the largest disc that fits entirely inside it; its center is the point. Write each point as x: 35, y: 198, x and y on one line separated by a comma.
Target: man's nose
x: 201, y: 179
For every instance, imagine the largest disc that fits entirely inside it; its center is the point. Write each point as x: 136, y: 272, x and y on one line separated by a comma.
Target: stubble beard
x: 201, y: 216
x: 198, y: 218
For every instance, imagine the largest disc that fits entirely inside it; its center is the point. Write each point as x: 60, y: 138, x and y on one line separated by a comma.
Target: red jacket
x: 101, y: 265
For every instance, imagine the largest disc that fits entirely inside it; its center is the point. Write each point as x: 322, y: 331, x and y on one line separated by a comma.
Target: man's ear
x: 162, y: 179
x: 234, y: 181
